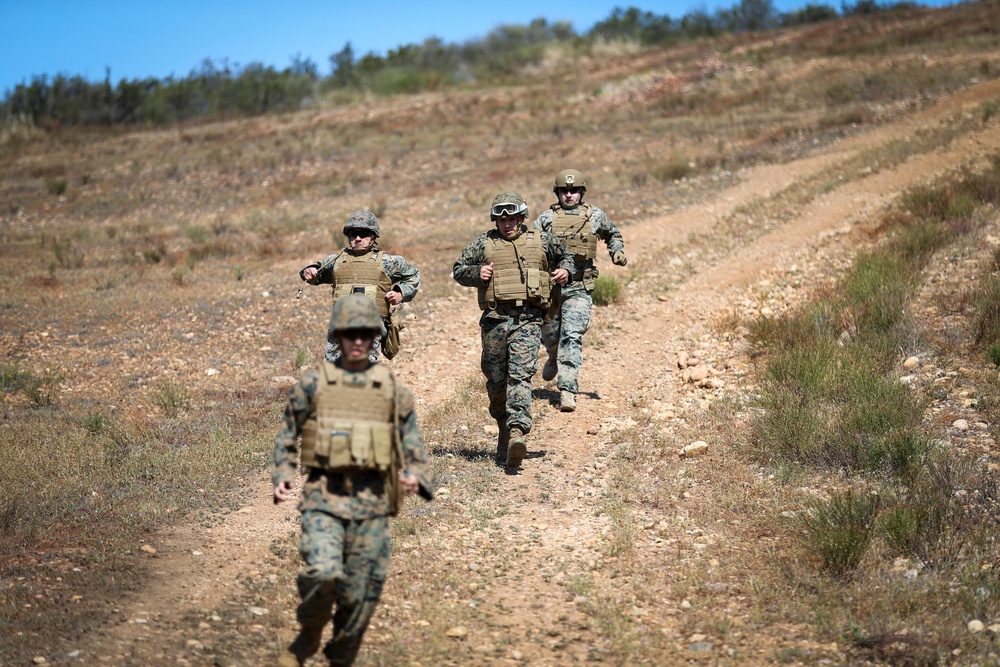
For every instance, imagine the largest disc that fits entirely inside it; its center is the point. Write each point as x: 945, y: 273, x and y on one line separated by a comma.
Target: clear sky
x: 140, y: 38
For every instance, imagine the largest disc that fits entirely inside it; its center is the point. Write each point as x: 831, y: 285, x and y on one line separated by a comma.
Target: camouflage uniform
x: 510, y: 334
x: 345, y: 527
x: 563, y: 336
x: 405, y: 277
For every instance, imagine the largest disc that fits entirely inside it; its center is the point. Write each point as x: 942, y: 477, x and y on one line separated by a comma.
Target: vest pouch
x: 382, y: 445
x: 361, y: 445
x: 308, y: 452
x: 391, y: 343
x: 589, y: 278
x: 534, y: 283
x: 340, y: 441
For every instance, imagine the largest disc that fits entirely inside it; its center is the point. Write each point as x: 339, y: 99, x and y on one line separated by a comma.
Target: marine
x: 513, y: 269
x: 579, y: 225
x: 353, y: 428
x: 364, y: 268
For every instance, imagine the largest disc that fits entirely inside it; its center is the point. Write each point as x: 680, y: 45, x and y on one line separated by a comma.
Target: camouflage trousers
x: 333, y: 353
x: 510, y: 360
x: 346, y: 563
x: 563, y: 336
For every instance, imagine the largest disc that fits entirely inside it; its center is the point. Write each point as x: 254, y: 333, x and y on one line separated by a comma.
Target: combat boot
x: 517, y: 450
x: 300, y: 650
x: 567, y: 401
x: 550, y: 369
x: 503, y: 440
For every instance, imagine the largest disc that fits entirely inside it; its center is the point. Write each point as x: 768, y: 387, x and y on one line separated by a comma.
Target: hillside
x: 149, y: 326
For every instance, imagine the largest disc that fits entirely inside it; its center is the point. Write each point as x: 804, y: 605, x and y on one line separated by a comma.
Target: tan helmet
x: 362, y: 219
x: 569, y: 178
x: 507, y: 204
x: 355, y: 311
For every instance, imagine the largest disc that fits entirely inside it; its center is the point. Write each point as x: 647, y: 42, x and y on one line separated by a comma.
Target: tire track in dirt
x: 199, y: 568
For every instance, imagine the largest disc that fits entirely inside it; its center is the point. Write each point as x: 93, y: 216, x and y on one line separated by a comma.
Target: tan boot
x: 567, y: 401
x: 300, y: 650
x: 517, y: 450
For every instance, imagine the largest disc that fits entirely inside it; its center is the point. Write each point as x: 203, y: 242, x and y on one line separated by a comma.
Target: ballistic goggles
x: 508, y: 210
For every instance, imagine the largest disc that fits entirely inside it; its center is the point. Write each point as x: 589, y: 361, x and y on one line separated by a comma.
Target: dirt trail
x: 559, y: 494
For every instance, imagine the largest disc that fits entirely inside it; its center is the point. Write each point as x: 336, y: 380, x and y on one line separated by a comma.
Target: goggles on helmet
x: 508, y: 209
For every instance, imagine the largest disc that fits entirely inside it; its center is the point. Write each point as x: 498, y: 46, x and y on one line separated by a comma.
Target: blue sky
x: 136, y: 38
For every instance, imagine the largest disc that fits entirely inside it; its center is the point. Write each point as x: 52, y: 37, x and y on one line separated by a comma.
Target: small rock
x: 148, y: 549
x: 257, y: 611
x: 694, y: 449
x: 194, y: 645
x: 961, y: 424
x: 517, y: 655
x: 212, y: 371
x: 698, y: 373
x: 976, y: 626
x: 284, y: 379
x: 458, y: 632
x: 686, y: 604
x: 911, y: 363
x: 491, y: 429
x: 701, y: 646
x: 995, y: 628
x: 682, y: 360
x: 39, y: 660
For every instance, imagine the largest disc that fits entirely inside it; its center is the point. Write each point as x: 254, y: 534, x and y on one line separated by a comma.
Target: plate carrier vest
x: 354, y: 423
x: 362, y: 274
x: 520, y: 272
x: 573, y: 227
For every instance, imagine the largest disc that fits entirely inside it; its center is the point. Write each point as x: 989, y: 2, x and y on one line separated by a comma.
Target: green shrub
x: 607, y: 290
x: 171, y: 397
x: 40, y: 390
x: 55, y: 186
x: 840, y: 532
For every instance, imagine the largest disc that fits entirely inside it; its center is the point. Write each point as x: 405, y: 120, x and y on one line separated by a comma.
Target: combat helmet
x: 355, y: 311
x: 570, y: 178
x: 362, y: 219
x: 507, y: 204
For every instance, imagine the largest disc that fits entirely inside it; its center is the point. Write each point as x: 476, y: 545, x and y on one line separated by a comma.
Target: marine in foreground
x: 353, y: 427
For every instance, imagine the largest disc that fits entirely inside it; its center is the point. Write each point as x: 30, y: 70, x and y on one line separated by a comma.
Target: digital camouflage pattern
x: 509, y: 198
x: 363, y: 220
x: 563, y: 336
x: 510, y: 335
x: 355, y: 311
x: 405, y: 279
x: 346, y: 564
x: 345, y: 526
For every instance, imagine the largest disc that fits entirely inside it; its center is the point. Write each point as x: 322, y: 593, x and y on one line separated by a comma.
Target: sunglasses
x: 360, y: 233
x: 507, y: 209
x: 571, y: 191
x: 358, y: 334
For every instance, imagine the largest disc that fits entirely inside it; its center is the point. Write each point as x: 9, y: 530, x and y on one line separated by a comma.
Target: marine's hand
x: 310, y: 273
x: 394, y: 297
x: 282, y: 492
x: 560, y: 276
x: 619, y: 258
x: 410, y: 483
x: 486, y: 272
